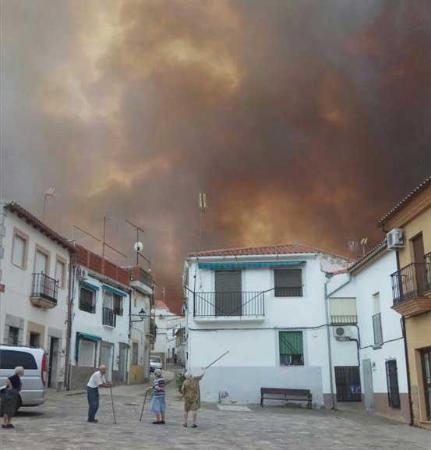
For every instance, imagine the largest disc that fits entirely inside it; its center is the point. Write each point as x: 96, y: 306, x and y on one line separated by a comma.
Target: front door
x: 228, y: 296
x: 122, y: 363
x: 392, y: 382
x: 368, y: 384
x: 426, y: 370
x: 419, y: 260
x: 348, y: 383
x: 106, y: 357
x: 53, y: 361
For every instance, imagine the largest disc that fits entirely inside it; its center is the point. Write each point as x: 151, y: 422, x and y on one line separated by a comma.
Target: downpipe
x: 328, y: 337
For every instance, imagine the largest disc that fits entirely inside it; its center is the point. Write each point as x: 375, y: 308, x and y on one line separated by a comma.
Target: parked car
x: 35, y: 372
x: 155, y: 363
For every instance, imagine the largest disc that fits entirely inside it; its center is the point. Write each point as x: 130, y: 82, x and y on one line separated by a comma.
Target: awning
x: 238, y: 265
x: 114, y: 290
x: 89, y: 286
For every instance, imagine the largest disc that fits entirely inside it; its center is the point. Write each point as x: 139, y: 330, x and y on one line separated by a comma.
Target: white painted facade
x: 370, y: 285
x: 93, y: 341
x: 21, y: 322
x: 140, y: 333
x: 253, y: 340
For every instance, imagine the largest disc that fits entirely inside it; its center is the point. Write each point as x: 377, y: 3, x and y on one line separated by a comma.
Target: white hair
x: 19, y: 369
x: 158, y: 372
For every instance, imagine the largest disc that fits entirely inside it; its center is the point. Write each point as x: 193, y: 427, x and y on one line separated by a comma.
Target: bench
x: 286, y: 395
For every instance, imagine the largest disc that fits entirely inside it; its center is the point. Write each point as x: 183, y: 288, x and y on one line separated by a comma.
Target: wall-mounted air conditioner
x: 344, y: 333
x: 395, y: 238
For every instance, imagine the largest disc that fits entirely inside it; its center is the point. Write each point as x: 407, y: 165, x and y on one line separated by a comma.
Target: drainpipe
x: 328, y: 337
x: 70, y: 292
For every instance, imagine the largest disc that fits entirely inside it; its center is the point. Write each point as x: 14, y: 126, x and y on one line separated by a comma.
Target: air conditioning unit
x: 343, y: 333
x: 395, y: 238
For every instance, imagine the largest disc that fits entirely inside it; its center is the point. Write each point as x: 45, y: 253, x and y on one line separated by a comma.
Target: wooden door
x: 419, y: 263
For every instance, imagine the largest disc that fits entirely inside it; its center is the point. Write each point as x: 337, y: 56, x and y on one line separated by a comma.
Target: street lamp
x: 141, y: 315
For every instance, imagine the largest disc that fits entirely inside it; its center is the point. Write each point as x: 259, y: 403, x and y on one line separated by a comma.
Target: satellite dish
x: 139, y: 246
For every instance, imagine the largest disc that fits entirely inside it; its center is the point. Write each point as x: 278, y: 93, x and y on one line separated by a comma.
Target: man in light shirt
x: 96, y: 380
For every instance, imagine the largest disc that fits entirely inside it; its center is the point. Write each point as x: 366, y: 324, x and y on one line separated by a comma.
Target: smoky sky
x: 303, y: 121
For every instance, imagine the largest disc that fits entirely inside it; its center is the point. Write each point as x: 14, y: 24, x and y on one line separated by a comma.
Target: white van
x: 35, y: 372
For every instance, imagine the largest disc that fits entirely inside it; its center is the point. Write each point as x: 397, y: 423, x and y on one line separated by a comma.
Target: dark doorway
x: 228, y: 295
x: 392, y: 380
x: 348, y: 383
x: 426, y: 371
x: 419, y: 262
x: 53, y: 361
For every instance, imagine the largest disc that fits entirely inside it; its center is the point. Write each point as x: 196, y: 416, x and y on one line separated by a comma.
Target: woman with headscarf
x: 158, y: 402
x: 10, y: 397
x: 192, y: 397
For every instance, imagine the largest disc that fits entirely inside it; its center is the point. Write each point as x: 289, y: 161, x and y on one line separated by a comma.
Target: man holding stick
x: 96, y: 380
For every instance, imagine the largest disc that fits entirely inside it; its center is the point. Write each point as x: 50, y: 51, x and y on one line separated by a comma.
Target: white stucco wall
x: 375, y: 278
x: 84, y: 322
x: 253, y: 343
x: 16, y: 299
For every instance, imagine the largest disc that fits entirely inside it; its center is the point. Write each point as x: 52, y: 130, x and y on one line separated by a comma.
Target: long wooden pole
x: 218, y: 359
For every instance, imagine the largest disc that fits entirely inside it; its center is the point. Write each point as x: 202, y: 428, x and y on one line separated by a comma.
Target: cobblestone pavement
x: 60, y: 425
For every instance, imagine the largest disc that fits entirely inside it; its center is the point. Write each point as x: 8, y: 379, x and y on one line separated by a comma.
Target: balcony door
x: 426, y: 370
x: 419, y: 260
x: 228, y: 297
x: 41, y: 262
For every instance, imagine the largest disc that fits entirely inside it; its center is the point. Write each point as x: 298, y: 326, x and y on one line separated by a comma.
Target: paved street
x: 60, y: 424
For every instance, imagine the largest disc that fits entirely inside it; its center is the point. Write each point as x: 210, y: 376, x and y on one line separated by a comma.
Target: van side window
x: 9, y: 359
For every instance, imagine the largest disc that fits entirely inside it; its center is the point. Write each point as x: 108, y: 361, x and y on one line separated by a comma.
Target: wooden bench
x: 286, y: 395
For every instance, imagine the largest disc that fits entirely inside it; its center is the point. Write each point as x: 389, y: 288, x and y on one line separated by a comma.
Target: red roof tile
x: 286, y: 249
x: 160, y: 304
x: 405, y: 200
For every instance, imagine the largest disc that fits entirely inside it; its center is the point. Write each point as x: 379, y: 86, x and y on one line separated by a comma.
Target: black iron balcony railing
x: 237, y: 304
x: 44, y: 287
x: 412, y: 281
x: 344, y: 319
x: 108, y: 317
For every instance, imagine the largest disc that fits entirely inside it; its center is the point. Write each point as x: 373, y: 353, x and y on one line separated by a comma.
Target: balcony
x: 229, y: 306
x: 141, y: 280
x: 411, y: 288
x: 108, y: 317
x: 44, y: 291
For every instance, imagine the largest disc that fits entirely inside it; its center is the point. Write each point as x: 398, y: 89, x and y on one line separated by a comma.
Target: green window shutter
x: 290, y: 342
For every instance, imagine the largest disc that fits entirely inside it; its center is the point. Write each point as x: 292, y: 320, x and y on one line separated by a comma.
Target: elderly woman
x: 158, y: 403
x: 10, y: 397
x: 192, y: 397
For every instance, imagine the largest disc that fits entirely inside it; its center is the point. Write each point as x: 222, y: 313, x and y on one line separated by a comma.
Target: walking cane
x: 143, y: 406
x: 112, y: 404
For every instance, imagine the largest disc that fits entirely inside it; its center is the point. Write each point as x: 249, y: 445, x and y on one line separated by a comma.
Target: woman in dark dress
x: 10, y: 397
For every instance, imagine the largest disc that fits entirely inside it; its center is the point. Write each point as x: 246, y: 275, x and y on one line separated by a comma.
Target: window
x: 87, y: 353
x: 392, y: 381
x: 60, y: 273
x: 87, y: 301
x: 377, y: 321
x: 34, y: 340
x: 118, y: 304
x: 291, y: 348
x: 135, y: 353
x: 13, y: 337
x: 9, y: 359
x: 108, y: 314
x: 41, y: 262
x: 19, y: 250
x: 288, y: 282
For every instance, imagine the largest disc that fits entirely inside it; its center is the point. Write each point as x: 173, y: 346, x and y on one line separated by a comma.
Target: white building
x: 35, y: 267
x: 383, y: 365
x: 267, y: 307
x: 100, y: 319
x: 167, y: 323
x: 141, y: 329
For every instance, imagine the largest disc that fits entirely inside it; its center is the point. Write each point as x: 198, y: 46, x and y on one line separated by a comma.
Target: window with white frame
x: 41, y: 262
x: 19, y: 250
x: 377, y: 321
x: 60, y: 273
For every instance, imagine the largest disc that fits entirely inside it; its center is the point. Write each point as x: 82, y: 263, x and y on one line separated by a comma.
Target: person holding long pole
x: 192, y: 397
x: 96, y: 381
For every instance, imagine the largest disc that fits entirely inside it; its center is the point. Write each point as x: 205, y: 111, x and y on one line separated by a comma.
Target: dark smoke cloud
x: 302, y: 120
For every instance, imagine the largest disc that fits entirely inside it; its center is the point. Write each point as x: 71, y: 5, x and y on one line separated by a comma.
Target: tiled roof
x: 286, y: 249
x: 160, y: 304
x: 32, y: 220
x: 406, y: 199
x: 368, y: 256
